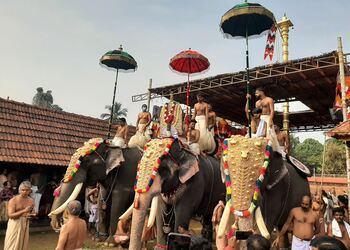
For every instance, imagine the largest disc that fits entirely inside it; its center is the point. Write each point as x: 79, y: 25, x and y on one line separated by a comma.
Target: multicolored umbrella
x: 189, y: 62
x: 117, y: 60
x: 245, y: 20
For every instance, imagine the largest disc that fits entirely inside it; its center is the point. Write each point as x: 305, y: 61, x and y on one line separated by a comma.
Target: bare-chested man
x: 339, y: 228
x: 121, y: 133
x: 305, y: 225
x: 143, y: 119
x: 206, y: 140
x: 211, y: 118
x: 257, y: 124
x: 193, y: 138
x: 201, y: 111
x: 267, y: 105
x: 19, y: 210
x: 282, y: 138
x: 73, y: 232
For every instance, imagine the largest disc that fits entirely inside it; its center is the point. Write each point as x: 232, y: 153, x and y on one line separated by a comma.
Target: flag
x: 338, y: 94
x: 270, y: 43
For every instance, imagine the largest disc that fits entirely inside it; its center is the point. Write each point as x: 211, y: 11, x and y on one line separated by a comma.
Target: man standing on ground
x: 19, y: 209
x: 305, y: 225
x: 143, y: 119
x: 339, y: 228
x: 282, y: 139
x: 73, y: 232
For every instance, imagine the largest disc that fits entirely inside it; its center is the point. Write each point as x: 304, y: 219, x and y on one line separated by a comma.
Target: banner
x: 270, y: 43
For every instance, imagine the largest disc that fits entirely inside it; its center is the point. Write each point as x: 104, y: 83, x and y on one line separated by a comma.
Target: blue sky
x: 57, y: 45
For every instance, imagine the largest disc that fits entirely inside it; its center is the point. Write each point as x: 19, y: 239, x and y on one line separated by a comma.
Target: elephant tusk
x: 261, y: 224
x: 72, y: 197
x: 153, y: 212
x: 224, y: 219
x: 127, y: 213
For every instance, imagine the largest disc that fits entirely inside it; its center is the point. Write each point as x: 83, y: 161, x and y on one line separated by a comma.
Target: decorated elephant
x: 93, y: 163
x: 191, y: 185
x: 259, y: 180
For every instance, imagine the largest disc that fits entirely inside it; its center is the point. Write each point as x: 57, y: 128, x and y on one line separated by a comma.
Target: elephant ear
x: 188, y: 167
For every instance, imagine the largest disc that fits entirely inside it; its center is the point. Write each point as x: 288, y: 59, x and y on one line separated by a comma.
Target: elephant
x: 258, y: 162
x: 191, y: 185
x: 118, y: 183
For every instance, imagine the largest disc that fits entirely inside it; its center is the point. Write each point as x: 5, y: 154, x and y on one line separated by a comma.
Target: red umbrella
x: 189, y: 62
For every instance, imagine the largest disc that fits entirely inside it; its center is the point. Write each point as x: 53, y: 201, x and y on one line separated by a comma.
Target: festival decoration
x: 117, y: 60
x: 88, y: 148
x: 189, y: 62
x: 270, y: 43
x: 244, y: 172
x: 148, y: 166
x: 245, y: 20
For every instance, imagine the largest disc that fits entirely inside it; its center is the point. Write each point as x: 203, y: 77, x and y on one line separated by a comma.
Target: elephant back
x: 245, y: 161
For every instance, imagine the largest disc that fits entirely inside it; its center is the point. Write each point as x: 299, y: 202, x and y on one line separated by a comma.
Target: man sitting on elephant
x: 121, y: 134
x: 193, y: 138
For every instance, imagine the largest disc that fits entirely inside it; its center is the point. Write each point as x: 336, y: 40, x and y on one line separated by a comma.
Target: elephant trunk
x: 139, y: 214
x: 245, y: 224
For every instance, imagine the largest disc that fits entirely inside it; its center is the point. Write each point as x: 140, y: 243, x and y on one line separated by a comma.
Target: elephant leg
x: 119, y: 204
x: 185, y: 209
x: 161, y: 236
x: 207, y: 229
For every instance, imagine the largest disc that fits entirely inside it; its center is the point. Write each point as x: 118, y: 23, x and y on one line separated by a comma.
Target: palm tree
x: 118, y: 112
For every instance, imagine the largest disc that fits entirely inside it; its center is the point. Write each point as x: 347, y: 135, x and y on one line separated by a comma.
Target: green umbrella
x: 117, y: 60
x: 245, y: 20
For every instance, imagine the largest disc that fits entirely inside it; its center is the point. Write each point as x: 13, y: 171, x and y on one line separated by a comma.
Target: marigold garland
x: 258, y: 183
x: 169, y: 142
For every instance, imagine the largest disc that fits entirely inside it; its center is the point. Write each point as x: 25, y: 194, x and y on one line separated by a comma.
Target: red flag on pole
x: 270, y: 43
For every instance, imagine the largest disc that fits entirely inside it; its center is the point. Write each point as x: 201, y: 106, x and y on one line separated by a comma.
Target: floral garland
x: 155, y: 167
x: 169, y: 114
x: 258, y: 183
x: 78, y: 156
x: 75, y: 161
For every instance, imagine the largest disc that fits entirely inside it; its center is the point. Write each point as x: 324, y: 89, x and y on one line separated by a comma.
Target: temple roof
x: 310, y: 80
x: 341, y: 132
x: 36, y: 135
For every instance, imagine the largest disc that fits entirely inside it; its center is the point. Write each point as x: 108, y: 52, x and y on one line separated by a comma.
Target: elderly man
x: 19, y: 210
x: 73, y: 232
x: 305, y: 225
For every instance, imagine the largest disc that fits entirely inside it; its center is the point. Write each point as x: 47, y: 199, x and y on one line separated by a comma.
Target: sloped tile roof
x: 341, y: 132
x: 36, y: 135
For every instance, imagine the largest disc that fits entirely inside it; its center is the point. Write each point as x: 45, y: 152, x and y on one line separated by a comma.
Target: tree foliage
x: 45, y: 100
x: 118, y: 112
x: 310, y: 153
x: 335, y: 162
x: 294, y: 141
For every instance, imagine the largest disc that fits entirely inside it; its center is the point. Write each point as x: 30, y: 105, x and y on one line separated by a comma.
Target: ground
x: 47, y: 240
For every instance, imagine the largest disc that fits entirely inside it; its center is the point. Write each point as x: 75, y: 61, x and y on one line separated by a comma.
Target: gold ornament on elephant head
x: 243, y: 159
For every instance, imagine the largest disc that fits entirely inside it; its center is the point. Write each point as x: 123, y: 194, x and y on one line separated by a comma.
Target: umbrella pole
x: 112, y: 109
x: 248, y: 86
x: 187, y: 106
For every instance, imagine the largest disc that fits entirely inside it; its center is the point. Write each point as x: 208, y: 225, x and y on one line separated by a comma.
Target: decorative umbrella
x: 117, y: 60
x: 245, y: 20
x: 189, y: 62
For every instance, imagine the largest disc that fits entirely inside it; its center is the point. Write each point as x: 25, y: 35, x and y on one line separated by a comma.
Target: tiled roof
x: 341, y: 132
x: 35, y: 135
x: 331, y: 180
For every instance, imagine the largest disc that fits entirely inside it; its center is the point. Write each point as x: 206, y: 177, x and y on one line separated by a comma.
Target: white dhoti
x: 17, y: 234
x: 118, y: 142
x: 140, y: 138
x: 298, y: 244
x: 271, y: 134
x: 195, y: 149
x: 36, y: 197
x: 206, y: 139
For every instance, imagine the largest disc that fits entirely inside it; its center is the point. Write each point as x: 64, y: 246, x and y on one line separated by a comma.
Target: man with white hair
x: 19, y: 210
x: 73, y: 232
